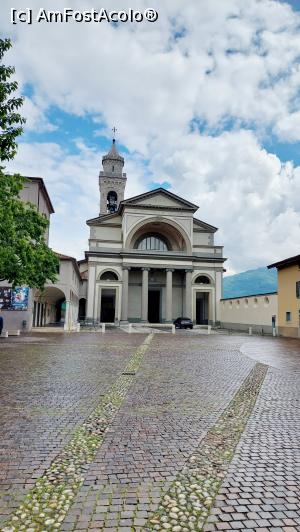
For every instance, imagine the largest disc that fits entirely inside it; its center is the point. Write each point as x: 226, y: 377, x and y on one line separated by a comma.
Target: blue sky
x: 206, y: 103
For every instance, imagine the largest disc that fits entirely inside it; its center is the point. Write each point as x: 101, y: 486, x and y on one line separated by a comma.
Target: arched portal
x: 49, y: 307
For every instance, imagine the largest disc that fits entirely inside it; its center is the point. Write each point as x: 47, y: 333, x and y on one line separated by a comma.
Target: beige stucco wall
x: 254, y: 311
x: 33, y: 193
x: 13, y: 319
x: 287, y: 300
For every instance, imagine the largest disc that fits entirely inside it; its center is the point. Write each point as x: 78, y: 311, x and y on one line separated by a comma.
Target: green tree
x: 25, y: 257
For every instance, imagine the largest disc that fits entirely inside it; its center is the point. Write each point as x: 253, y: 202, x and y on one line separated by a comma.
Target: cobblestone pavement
x: 182, y: 387
x: 262, y: 488
x: 185, y: 382
x: 49, y: 385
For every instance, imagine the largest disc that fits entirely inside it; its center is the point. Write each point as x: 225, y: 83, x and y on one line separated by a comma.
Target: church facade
x: 150, y: 259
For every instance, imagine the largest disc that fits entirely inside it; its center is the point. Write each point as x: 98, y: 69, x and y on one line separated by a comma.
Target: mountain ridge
x: 251, y: 282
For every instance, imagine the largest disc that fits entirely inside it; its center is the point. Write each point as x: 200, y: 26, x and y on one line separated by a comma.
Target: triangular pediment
x: 160, y: 198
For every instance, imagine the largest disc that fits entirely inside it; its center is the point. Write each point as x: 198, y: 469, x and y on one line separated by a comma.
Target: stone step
x: 11, y: 332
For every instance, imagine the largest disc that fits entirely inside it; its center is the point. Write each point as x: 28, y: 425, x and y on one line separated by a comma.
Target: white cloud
x: 289, y: 127
x: 35, y: 117
x: 72, y: 183
x: 216, y: 61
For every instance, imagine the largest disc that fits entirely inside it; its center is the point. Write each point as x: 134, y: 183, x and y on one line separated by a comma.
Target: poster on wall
x: 16, y: 299
x: 19, y: 298
x: 5, y: 298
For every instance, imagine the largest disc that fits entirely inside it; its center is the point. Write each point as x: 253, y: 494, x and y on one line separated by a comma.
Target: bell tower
x: 112, y: 181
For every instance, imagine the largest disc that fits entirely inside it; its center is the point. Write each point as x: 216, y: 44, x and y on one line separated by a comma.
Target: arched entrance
x: 49, y: 307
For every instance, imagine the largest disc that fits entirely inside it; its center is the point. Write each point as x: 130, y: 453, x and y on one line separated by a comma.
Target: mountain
x: 251, y: 282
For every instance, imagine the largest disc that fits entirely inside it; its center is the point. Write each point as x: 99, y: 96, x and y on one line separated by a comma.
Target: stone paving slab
x: 47, y: 390
x: 51, y: 383
x: 262, y: 488
x: 180, y: 391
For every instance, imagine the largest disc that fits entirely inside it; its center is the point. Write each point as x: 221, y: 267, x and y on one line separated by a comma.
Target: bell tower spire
x: 112, y: 180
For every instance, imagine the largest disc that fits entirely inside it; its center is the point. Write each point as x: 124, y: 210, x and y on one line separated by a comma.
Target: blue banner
x: 16, y: 299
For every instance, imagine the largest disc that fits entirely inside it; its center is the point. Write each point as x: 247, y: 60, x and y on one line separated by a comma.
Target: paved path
x: 262, y: 489
x: 50, y: 383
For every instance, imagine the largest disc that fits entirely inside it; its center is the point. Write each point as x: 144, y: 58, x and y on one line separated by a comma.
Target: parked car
x: 183, y: 323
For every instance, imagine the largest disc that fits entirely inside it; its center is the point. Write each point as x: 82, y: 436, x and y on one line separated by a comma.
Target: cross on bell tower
x: 112, y: 180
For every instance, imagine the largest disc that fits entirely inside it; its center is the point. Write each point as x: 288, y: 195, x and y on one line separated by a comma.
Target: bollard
x: 103, y: 327
x: 173, y: 329
x: 250, y: 331
x: 208, y: 329
x: 78, y: 327
x: 130, y: 328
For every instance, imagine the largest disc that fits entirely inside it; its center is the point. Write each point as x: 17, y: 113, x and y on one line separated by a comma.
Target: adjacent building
x: 24, y: 308
x: 288, y: 296
x: 17, y: 305
x: 258, y: 311
x: 149, y: 259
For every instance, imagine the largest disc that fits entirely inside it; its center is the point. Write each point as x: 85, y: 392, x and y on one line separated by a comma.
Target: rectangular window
x: 288, y: 316
x: 298, y: 289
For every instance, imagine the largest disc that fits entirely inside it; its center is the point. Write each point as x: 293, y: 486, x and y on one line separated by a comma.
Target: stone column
x: 145, y: 274
x: 67, y: 326
x: 169, y: 293
x: 91, y: 292
x: 124, y: 314
x: 188, y: 294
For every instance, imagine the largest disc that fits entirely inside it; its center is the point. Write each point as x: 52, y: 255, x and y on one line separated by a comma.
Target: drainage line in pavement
x: 45, y: 506
x: 187, y: 503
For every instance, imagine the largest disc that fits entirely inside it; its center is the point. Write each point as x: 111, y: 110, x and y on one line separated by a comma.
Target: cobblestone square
x: 136, y: 432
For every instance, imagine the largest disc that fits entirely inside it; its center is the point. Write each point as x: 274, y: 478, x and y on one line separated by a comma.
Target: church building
x: 150, y: 259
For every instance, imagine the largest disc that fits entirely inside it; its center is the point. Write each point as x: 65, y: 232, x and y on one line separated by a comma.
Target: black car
x: 183, y: 323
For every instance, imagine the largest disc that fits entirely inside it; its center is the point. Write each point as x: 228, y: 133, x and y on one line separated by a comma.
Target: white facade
x: 151, y: 259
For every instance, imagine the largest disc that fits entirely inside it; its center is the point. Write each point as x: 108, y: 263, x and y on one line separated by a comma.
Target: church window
x: 152, y: 242
x: 202, y: 279
x: 109, y: 276
x: 112, y: 202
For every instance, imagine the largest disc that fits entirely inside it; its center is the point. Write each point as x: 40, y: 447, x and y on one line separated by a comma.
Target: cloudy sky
x: 206, y: 103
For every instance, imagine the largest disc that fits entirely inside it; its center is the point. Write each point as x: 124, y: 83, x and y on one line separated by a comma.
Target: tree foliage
x: 10, y: 120
x: 25, y: 257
